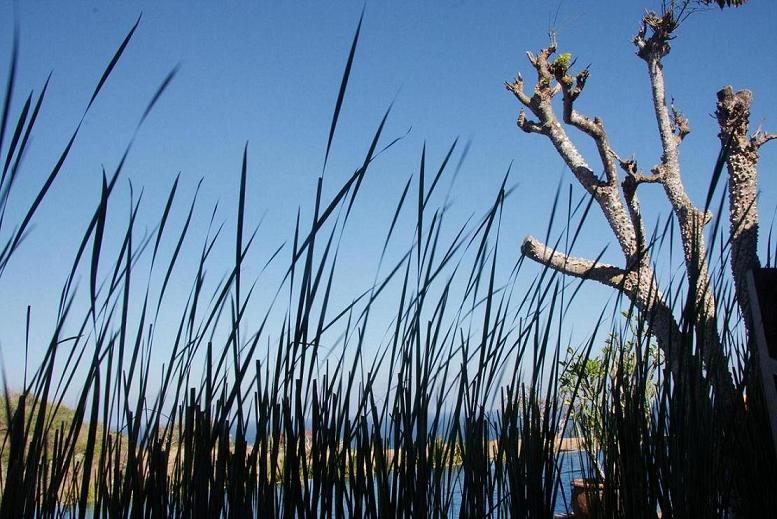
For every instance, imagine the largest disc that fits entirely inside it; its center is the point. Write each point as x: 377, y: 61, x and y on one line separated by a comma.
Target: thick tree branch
x: 606, y: 193
x: 638, y: 285
x: 652, y: 43
x: 572, y: 87
x: 609, y: 275
x: 652, y: 49
x: 539, y: 104
x: 672, y: 127
x: 733, y: 113
x: 629, y: 186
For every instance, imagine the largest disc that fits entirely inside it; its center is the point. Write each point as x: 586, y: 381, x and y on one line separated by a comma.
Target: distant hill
x: 61, y: 420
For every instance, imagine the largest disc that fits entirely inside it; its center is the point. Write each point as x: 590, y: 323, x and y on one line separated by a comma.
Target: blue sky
x: 267, y: 73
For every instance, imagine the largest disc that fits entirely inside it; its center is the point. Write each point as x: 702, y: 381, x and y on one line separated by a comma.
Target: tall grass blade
x: 343, y: 86
x: 112, y: 63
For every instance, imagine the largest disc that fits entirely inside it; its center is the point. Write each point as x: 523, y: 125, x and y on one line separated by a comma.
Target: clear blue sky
x: 268, y: 73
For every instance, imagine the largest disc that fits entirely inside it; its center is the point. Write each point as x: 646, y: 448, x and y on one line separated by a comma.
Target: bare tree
x: 618, y: 198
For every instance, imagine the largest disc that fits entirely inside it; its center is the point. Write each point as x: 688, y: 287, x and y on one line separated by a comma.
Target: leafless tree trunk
x: 619, y: 202
x: 733, y: 113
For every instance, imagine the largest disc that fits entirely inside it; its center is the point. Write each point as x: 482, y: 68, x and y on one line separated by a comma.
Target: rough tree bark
x: 733, y: 113
x: 618, y: 199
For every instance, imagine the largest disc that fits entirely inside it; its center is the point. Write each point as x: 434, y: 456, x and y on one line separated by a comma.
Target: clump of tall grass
x: 302, y: 414
x: 655, y: 442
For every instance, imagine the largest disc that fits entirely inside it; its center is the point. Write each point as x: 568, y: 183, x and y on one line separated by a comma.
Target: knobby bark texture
x: 733, y: 114
x: 618, y: 198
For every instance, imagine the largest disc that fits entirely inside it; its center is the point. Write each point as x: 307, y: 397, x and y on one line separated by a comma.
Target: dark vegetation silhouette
x: 458, y: 411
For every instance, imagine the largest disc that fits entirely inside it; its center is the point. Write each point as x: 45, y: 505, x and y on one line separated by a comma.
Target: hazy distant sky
x: 269, y: 72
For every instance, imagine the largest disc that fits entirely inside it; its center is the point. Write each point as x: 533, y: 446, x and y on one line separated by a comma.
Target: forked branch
x: 554, y: 77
